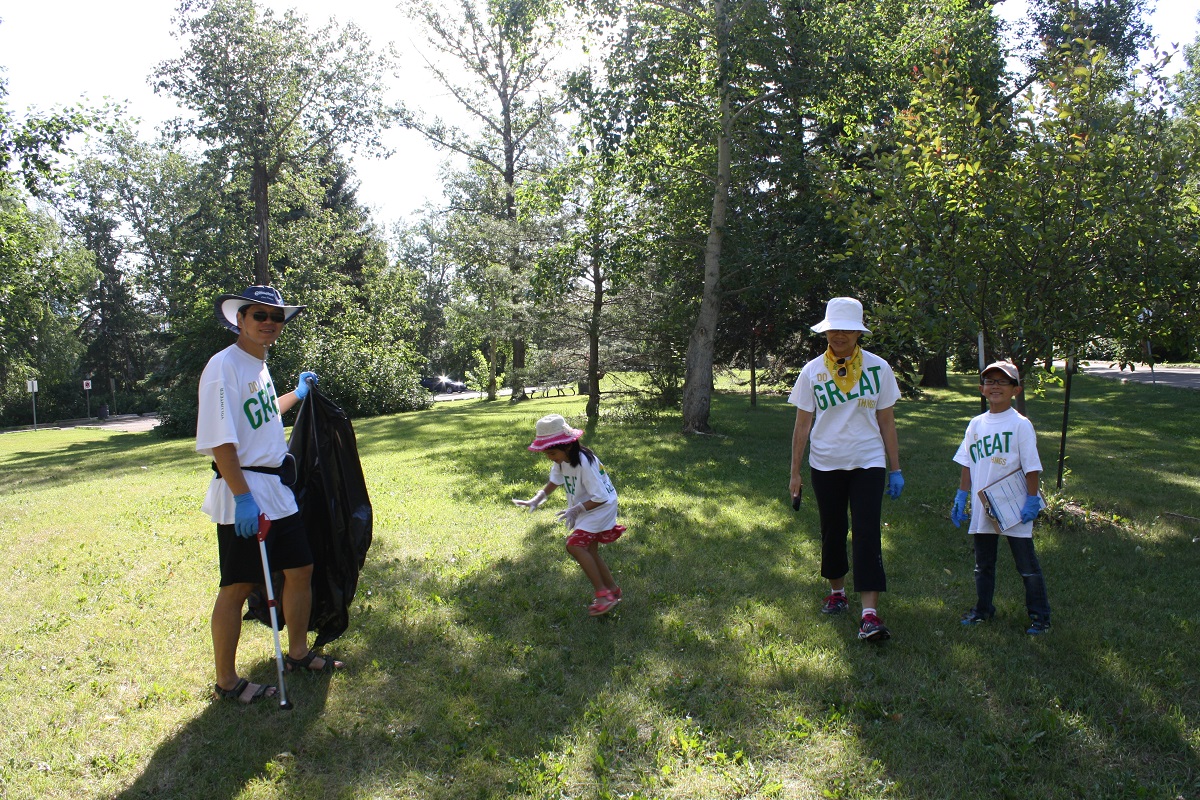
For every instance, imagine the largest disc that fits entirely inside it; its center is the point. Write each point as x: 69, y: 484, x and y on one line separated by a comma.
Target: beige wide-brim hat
x: 1007, y: 367
x: 842, y: 314
x: 227, y: 305
x: 553, y: 430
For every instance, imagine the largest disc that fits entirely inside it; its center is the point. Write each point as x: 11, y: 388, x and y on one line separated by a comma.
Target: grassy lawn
x: 476, y: 672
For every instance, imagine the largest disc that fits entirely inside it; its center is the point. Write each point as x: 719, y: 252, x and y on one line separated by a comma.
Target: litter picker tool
x: 264, y: 525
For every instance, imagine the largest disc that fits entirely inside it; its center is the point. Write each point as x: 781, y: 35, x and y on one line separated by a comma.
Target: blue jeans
x: 1028, y: 567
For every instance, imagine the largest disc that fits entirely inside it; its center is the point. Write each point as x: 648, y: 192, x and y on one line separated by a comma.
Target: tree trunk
x: 1062, y: 444
x: 516, y: 380
x: 753, y: 370
x: 698, y: 374
x: 934, y: 374
x: 262, y: 217
x: 491, y: 385
x: 593, y: 377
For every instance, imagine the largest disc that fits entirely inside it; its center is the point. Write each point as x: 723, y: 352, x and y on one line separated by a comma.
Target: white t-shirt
x: 238, y: 405
x: 588, y: 481
x: 845, y: 432
x: 994, y: 446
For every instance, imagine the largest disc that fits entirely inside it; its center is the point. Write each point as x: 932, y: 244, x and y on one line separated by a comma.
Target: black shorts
x: 287, y: 548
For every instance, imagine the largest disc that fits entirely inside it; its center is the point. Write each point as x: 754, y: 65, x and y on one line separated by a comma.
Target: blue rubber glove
x: 958, y: 512
x: 302, y: 384
x: 895, y: 485
x: 245, y: 515
x: 1032, y: 507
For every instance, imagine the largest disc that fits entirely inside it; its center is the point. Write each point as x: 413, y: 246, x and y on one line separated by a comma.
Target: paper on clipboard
x: 1004, y: 499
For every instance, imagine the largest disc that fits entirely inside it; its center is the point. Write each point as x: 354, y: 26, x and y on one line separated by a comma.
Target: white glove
x: 571, y: 514
x: 532, y: 503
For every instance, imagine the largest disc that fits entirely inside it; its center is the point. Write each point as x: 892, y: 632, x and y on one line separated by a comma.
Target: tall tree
x: 724, y: 106
x: 489, y: 305
x: 1119, y: 27
x: 271, y: 94
x: 116, y: 330
x: 499, y: 68
x: 42, y: 272
x: 422, y: 250
x: 1040, y: 229
x: 587, y: 260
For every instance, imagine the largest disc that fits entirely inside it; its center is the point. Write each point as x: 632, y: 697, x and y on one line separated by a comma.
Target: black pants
x: 845, y: 497
x: 1028, y: 567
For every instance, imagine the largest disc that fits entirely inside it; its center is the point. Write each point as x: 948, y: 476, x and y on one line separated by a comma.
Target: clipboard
x: 1003, y: 499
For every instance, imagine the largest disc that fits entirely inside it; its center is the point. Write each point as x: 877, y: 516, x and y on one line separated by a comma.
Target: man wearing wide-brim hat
x: 240, y: 427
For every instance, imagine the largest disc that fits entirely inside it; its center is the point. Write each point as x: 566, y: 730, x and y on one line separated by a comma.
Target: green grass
x: 476, y: 673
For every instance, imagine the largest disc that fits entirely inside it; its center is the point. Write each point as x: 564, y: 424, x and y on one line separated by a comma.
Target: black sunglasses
x: 262, y: 316
x: 841, y: 373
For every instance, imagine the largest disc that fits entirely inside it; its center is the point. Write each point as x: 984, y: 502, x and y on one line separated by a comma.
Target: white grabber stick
x: 264, y: 525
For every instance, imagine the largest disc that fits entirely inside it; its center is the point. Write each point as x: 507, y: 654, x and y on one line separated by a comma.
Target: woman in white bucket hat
x: 844, y: 402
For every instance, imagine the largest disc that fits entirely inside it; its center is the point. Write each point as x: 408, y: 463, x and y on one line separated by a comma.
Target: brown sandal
x: 264, y: 690
x: 305, y: 664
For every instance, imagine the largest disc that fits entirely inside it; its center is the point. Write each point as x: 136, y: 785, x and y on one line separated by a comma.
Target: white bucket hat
x: 227, y: 305
x: 842, y: 314
x: 553, y: 430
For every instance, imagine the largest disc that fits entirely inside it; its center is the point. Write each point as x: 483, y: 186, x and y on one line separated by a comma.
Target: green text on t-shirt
x: 261, y: 407
x: 989, y: 446
x: 828, y: 395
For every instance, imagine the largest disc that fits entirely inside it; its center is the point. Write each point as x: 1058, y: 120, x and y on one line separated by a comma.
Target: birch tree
x: 496, y: 61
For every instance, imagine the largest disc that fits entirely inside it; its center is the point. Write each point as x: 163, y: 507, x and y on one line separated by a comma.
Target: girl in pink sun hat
x: 591, y: 513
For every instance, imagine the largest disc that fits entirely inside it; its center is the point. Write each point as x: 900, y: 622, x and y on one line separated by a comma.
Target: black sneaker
x: 873, y: 629
x: 973, y: 617
x: 1037, y: 628
x: 835, y: 603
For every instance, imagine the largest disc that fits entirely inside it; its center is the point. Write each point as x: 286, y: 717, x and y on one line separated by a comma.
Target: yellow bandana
x: 845, y: 371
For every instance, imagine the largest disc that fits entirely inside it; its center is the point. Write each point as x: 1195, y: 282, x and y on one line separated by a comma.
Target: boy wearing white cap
x: 996, y: 443
x: 844, y: 414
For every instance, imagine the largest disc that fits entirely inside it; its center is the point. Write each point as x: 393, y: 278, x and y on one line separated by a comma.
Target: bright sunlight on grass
x: 475, y: 671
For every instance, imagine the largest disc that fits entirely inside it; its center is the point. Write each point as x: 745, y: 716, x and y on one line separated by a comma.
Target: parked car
x: 443, y: 385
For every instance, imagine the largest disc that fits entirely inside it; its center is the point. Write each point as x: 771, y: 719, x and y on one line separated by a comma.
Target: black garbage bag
x: 333, y: 500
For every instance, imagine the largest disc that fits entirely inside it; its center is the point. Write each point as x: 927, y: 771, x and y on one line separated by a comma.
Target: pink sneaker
x: 873, y: 629
x: 604, y: 602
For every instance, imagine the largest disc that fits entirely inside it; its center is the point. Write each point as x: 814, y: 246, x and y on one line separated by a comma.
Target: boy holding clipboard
x: 999, y: 456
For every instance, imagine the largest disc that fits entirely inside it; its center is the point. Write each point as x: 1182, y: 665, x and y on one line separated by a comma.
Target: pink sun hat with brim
x: 842, y: 314
x: 553, y: 430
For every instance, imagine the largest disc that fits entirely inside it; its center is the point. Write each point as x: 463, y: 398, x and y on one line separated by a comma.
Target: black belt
x: 286, y: 471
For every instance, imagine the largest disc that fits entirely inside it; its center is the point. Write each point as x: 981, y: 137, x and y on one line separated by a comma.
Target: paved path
x: 126, y: 423
x: 1184, y: 377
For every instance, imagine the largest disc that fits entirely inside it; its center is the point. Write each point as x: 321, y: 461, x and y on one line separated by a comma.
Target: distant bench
x: 559, y: 388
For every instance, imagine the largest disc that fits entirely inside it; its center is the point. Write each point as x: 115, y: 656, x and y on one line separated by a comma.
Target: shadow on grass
x: 482, y: 676
x: 229, y: 745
